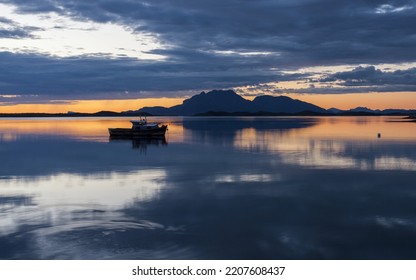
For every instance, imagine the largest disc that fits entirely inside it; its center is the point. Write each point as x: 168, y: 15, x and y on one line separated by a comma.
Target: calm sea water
x: 215, y: 188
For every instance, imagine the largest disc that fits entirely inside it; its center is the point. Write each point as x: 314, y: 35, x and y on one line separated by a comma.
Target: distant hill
x: 362, y: 111
x: 227, y: 101
x: 397, y: 112
x: 335, y: 110
x: 283, y: 104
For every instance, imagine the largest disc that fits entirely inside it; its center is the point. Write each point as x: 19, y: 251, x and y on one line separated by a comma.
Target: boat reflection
x: 142, y: 143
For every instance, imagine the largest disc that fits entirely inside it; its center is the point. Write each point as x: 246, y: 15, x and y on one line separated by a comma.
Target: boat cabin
x: 143, y: 125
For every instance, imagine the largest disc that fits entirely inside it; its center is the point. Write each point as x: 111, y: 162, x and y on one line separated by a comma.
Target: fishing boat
x: 140, y: 128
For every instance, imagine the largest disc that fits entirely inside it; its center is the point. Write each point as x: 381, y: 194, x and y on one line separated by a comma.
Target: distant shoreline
x: 67, y: 115
x: 206, y: 114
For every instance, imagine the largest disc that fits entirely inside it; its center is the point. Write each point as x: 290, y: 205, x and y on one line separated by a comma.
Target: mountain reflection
x: 225, y: 131
x: 223, y: 188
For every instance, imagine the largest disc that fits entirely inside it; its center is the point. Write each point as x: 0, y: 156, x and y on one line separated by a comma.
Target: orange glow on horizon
x: 91, y: 106
x: 376, y: 100
x: 387, y: 100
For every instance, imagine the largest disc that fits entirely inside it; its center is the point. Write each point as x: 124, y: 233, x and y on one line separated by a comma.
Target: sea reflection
x: 214, y: 188
x: 40, y: 207
x: 338, y: 143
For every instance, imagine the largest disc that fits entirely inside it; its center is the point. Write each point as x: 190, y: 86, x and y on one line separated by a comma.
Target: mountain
x: 282, y: 104
x: 335, y: 110
x: 398, y: 112
x: 364, y: 110
x: 230, y: 102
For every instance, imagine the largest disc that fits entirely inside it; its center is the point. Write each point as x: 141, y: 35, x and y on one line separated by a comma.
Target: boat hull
x: 133, y: 133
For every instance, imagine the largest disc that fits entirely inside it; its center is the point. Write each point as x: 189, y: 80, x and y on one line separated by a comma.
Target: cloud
x: 27, y: 6
x: 205, y: 43
x: 99, y: 77
x: 304, y: 32
x: 10, y: 29
x: 388, y: 8
x: 370, y: 76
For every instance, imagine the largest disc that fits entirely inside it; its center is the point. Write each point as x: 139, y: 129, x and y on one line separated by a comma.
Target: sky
x: 73, y: 55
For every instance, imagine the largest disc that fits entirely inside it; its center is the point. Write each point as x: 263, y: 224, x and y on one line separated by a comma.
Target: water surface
x: 215, y: 188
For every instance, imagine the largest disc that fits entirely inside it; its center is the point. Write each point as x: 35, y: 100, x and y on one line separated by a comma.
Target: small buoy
x: 379, y: 135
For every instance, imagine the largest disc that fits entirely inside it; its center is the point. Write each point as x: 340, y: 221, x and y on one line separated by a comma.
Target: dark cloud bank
x: 223, y: 44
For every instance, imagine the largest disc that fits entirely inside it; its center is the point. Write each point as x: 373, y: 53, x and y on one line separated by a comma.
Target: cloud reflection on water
x: 234, y: 189
x: 51, y: 206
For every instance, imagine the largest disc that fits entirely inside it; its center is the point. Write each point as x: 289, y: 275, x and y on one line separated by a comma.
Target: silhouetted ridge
x: 283, y: 104
x: 229, y: 101
x: 216, y: 100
